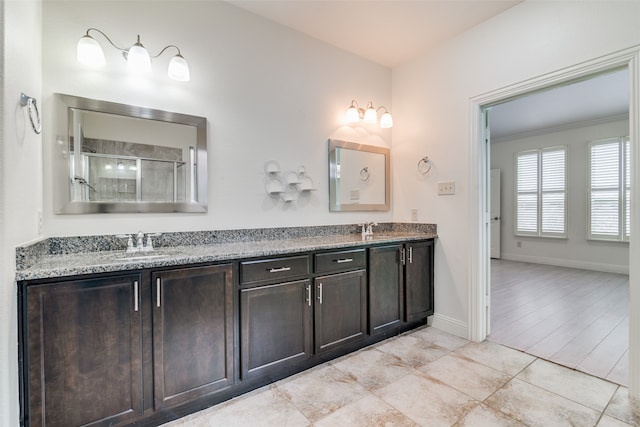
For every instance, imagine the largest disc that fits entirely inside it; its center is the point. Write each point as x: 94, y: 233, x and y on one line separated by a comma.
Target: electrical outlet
x: 414, y: 214
x: 519, y: 244
x: 446, y: 188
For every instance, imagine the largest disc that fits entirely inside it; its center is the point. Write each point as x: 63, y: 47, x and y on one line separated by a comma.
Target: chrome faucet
x: 367, y: 229
x: 140, y: 245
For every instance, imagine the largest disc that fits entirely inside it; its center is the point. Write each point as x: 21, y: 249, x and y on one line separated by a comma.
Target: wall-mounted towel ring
x: 31, y: 104
x: 424, y: 165
x: 364, y: 174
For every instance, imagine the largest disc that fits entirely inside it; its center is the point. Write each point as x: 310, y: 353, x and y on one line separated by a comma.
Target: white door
x: 495, y: 213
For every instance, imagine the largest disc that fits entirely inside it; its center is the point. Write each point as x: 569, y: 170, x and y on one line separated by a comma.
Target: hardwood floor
x: 576, y: 318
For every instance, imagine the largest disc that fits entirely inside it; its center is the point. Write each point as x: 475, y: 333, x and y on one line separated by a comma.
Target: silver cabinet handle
x: 135, y: 295
x: 309, y: 295
x: 402, y: 256
x: 343, y: 260
x: 278, y: 270
x: 320, y: 292
x: 410, y: 254
x: 158, y: 292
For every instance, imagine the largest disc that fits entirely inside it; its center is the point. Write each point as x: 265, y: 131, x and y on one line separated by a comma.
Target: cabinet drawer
x: 340, y: 261
x: 273, y: 269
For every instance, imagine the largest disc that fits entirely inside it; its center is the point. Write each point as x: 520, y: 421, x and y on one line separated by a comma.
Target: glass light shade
x: 179, y: 69
x: 370, y: 115
x: 386, y: 121
x: 89, y: 51
x: 353, y: 115
x: 138, y: 59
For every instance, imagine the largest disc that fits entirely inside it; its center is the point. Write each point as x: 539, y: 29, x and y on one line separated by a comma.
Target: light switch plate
x: 446, y: 188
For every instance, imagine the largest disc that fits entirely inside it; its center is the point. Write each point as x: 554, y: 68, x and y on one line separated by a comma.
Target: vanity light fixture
x: 137, y: 57
x: 369, y: 114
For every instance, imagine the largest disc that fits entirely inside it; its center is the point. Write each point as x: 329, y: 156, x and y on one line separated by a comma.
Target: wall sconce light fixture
x: 369, y: 114
x: 137, y: 56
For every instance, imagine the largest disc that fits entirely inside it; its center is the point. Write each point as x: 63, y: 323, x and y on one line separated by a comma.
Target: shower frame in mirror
x: 65, y: 202
x: 335, y: 174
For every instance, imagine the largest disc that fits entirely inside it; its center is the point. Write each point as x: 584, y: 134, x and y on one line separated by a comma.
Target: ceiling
x: 388, y: 32
x: 601, y: 97
x: 391, y: 32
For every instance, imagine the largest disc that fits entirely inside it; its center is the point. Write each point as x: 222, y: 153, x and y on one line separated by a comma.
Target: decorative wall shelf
x: 286, y: 186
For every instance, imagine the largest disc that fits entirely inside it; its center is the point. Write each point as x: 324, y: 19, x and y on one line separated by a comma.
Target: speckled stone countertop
x: 71, y: 256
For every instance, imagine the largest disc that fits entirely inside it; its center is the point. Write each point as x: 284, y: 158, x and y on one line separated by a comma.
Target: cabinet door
x: 84, y: 352
x: 385, y: 288
x: 418, y: 280
x: 340, y: 309
x: 275, y: 327
x: 192, y: 333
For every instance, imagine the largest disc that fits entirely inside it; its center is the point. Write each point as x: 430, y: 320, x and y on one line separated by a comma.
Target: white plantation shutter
x: 541, y: 192
x: 609, y: 189
x: 553, y: 191
x: 627, y: 189
x: 527, y: 193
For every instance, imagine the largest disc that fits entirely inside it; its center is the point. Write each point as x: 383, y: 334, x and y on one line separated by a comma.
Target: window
x: 609, y: 189
x: 541, y: 192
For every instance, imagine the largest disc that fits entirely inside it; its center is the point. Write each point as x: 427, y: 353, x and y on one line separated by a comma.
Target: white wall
x: 431, y: 99
x: 268, y: 93
x: 20, y: 176
x: 575, y: 251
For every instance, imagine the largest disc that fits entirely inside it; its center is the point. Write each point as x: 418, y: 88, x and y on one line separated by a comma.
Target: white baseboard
x: 571, y: 263
x: 450, y: 325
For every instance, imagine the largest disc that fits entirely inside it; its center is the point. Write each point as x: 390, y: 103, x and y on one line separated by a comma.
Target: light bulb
x: 386, y: 121
x: 179, y: 69
x: 89, y: 51
x: 353, y: 115
x: 370, y: 115
x: 138, y: 58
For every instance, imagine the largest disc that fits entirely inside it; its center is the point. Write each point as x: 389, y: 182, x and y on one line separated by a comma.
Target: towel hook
x: 31, y: 104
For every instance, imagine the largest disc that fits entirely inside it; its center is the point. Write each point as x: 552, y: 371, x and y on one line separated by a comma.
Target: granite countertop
x: 48, y: 265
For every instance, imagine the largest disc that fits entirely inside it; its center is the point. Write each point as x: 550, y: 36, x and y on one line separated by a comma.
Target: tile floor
x: 430, y: 378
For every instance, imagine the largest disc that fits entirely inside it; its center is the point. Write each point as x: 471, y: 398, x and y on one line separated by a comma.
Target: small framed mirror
x: 118, y: 158
x: 359, y: 177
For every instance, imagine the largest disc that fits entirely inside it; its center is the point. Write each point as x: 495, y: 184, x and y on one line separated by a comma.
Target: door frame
x: 479, y: 250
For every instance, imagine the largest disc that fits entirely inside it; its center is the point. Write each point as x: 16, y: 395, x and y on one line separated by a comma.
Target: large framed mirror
x: 118, y: 158
x: 359, y: 177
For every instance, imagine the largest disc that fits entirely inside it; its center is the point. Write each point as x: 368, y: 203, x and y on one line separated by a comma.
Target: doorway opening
x: 556, y: 292
x: 479, y: 280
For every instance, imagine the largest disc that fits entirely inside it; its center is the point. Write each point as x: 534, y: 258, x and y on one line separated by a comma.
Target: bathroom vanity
x: 107, y: 339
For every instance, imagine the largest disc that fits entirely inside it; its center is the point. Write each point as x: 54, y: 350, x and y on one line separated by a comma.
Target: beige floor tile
x: 472, y: 378
x: 267, y: 408
x: 483, y: 416
x: 373, y: 369
x: 322, y: 391
x: 427, y: 401
x: 439, y: 338
x: 367, y: 412
x: 577, y: 386
x: 496, y: 356
x: 412, y: 351
x: 535, y: 406
x: 607, y: 421
x: 623, y: 408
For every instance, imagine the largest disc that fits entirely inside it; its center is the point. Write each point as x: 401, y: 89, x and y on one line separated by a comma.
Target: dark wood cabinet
x: 275, y: 327
x: 418, y: 277
x: 144, y: 347
x: 340, y: 309
x: 192, y: 333
x: 84, y: 352
x: 386, y: 290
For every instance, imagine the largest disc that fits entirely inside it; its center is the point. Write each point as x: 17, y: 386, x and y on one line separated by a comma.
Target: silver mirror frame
x: 334, y: 205
x: 63, y: 105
